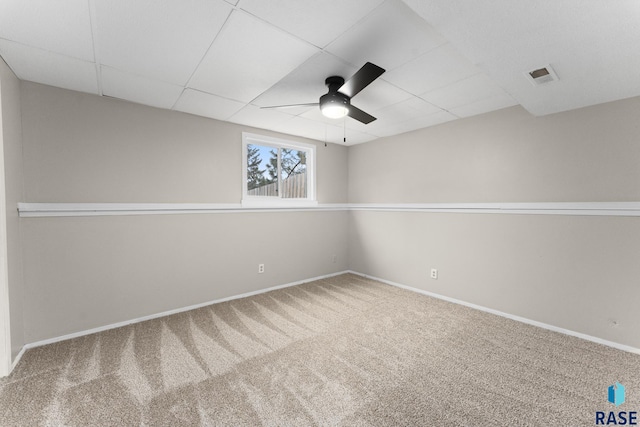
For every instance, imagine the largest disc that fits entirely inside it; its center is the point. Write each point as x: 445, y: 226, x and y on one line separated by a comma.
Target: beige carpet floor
x: 341, y: 351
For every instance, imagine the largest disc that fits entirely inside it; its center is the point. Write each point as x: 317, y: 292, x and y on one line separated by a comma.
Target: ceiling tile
x: 583, y: 80
x: 254, y: 116
x: 248, y: 57
x: 61, y: 27
x: 378, y: 95
x: 594, y: 46
x: 321, y: 131
x: 417, y: 123
x: 302, y: 127
x: 389, y: 37
x: 394, y: 114
x: 138, y: 89
x: 207, y: 105
x: 463, y: 92
x: 354, y: 138
x: 161, y: 39
x: 41, y: 66
x: 289, y: 110
x: 485, y: 105
x: 373, y: 128
x: 305, y: 84
x: 317, y: 22
x: 437, y: 68
x: 405, y: 110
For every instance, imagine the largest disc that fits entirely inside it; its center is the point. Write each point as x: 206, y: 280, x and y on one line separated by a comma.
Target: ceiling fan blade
x: 361, y: 79
x: 313, y: 104
x: 360, y: 115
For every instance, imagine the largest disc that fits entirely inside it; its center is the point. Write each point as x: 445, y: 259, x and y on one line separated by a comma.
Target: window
x: 277, y: 172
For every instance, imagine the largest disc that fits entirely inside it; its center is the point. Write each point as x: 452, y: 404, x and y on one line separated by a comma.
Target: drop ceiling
x: 445, y: 59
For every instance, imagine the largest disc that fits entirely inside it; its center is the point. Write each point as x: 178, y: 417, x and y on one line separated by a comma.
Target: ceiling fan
x: 337, y: 102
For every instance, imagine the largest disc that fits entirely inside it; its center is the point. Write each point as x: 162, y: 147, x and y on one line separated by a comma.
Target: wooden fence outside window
x: 294, y: 187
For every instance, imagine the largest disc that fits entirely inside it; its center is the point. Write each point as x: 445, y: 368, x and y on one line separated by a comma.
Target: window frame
x: 278, y: 201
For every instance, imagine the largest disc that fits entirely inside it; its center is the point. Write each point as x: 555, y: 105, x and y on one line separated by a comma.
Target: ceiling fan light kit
x: 336, y: 103
x: 333, y: 111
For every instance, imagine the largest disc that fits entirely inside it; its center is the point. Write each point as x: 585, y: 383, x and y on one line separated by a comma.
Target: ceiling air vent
x: 542, y: 76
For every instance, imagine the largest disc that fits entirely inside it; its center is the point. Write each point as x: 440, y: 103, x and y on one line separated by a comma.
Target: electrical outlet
x: 434, y: 273
x: 334, y: 259
x: 260, y: 268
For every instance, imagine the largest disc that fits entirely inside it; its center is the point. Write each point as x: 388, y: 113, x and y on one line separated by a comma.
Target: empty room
x: 298, y: 212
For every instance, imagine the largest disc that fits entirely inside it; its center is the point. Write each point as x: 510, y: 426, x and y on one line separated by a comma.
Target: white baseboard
x: 18, y: 357
x: 164, y: 313
x: 508, y: 316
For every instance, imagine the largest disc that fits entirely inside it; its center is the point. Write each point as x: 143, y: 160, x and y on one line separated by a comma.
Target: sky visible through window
x: 264, y: 155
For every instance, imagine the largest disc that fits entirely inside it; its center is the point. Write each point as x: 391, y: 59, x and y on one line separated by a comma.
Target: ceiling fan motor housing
x: 334, y: 104
x: 334, y: 83
x: 334, y: 98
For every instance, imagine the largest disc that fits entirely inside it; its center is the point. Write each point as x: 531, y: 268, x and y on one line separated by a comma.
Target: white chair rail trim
x: 30, y: 210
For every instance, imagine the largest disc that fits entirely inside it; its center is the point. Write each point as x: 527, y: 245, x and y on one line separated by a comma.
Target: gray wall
x: 586, y: 155
x: 12, y: 146
x: 574, y: 272
x: 87, y: 272
x: 83, y: 273
x: 82, y: 148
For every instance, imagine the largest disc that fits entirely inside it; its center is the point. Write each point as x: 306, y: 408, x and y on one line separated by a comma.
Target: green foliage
x: 272, y: 166
x: 292, y: 162
x: 255, y: 175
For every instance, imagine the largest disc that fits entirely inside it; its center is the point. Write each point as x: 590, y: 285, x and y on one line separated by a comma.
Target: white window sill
x: 274, y: 202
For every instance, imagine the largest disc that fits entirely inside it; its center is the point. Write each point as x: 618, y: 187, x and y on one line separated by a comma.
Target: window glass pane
x: 277, y: 170
x: 293, y: 173
x: 262, y: 170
